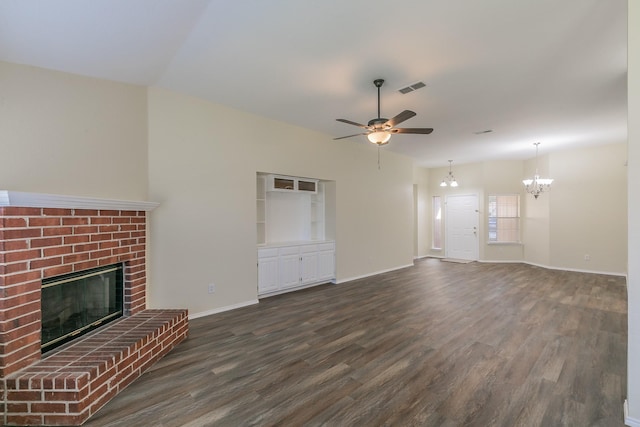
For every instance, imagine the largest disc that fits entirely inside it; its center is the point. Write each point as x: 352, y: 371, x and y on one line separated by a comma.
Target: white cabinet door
x: 289, y: 271
x: 326, y: 265
x: 308, y: 267
x: 267, y: 274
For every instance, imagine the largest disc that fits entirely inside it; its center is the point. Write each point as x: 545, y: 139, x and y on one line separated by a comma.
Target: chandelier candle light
x: 537, y: 185
x: 450, y: 179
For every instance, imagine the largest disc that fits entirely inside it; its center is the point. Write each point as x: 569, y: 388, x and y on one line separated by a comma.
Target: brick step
x: 69, y: 386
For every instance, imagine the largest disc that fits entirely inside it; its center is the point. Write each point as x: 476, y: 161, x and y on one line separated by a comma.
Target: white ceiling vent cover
x: 412, y: 87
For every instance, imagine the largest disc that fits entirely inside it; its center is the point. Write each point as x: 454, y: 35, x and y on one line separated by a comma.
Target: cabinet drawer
x: 288, y: 250
x: 325, y: 246
x: 308, y: 249
x: 267, y: 252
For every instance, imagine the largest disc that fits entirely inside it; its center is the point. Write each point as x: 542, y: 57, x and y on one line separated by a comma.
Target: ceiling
x: 543, y: 71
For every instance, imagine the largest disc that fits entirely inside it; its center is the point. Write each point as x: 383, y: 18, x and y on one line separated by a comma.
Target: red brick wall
x: 37, y: 243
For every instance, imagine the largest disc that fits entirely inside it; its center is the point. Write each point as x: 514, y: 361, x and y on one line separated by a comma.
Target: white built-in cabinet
x: 294, y: 266
x: 290, y: 226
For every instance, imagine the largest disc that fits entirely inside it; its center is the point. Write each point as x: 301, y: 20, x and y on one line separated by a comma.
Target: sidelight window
x: 436, y: 241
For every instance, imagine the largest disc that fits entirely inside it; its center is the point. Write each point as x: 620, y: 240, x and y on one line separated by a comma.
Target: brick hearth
x: 54, y: 238
x: 72, y: 384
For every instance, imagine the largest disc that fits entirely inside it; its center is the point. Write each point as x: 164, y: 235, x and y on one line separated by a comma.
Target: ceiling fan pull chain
x: 378, y: 157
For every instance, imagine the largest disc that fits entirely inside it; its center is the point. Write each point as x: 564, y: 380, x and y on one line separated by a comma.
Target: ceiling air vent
x: 411, y: 87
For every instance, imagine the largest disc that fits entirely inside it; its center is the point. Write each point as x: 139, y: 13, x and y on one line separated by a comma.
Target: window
x: 436, y: 241
x: 504, y: 218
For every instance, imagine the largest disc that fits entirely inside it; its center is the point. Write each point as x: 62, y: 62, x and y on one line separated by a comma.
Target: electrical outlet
x: 587, y: 257
x: 212, y: 288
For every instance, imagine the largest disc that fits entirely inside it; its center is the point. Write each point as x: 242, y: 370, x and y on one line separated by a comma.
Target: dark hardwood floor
x: 437, y: 344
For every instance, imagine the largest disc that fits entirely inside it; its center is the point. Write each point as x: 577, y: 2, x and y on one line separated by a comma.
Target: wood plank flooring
x: 437, y: 344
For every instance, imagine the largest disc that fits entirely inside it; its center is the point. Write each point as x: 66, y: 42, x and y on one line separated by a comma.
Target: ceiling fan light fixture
x: 379, y: 137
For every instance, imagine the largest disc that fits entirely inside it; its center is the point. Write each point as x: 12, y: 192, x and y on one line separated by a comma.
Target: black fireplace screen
x: 77, y: 303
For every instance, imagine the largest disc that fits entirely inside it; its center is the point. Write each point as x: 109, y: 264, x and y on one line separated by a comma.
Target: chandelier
x: 449, y: 179
x: 537, y: 185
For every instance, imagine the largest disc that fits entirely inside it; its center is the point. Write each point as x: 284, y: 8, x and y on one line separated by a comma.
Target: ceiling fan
x: 379, y: 130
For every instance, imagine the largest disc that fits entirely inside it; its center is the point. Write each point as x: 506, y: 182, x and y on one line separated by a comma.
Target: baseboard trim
x: 578, y: 270
x: 631, y: 422
x: 223, y: 309
x: 295, y: 288
x: 502, y: 261
x: 549, y: 267
x: 375, y: 273
x: 458, y: 260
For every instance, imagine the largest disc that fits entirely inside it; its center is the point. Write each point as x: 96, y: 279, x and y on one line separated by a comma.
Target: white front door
x: 461, y: 224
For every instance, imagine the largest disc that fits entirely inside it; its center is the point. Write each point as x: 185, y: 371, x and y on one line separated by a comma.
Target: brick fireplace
x: 42, y: 236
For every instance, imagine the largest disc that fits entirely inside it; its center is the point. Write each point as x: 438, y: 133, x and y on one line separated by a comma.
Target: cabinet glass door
x: 283, y: 183
x: 307, y: 186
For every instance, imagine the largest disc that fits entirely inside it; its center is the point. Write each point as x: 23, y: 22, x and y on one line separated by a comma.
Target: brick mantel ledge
x: 41, y: 200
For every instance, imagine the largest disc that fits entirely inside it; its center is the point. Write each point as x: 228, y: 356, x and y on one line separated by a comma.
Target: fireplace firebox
x: 77, y: 303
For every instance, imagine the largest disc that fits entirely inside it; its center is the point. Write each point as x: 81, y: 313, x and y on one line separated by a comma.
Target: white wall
x: 536, y: 216
x: 633, y: 278
x: 422, y: 211
x: 588, y: 209
x: 584, y: 213
x: 203, y: 160
x: 72, y: 135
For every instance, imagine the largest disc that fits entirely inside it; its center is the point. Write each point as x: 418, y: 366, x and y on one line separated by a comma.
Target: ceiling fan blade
x: 349, y: 136
x: 405, y: 115
x: 423, y: 131
x: 349, y: 122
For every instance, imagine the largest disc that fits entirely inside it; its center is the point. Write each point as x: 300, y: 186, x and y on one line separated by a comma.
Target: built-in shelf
x: 290, y: 225
x: 317, y: 213
x: 261, y: 209
x: 289, y: 209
